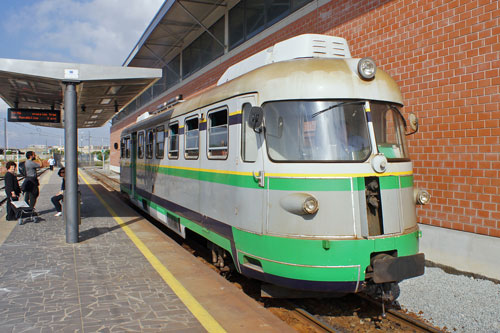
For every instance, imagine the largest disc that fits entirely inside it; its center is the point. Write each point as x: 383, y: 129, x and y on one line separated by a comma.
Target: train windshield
x: 317, y: 131
x: 332, y: 131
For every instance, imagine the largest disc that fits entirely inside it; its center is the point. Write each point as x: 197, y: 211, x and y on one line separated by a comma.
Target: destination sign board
x: 34, y: 116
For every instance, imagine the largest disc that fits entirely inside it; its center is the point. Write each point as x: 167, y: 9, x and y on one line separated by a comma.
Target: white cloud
x: 82, y: 31
x: 97, y: 31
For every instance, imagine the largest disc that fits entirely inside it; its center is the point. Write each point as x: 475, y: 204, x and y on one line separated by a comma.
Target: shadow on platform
x: 98, y: 231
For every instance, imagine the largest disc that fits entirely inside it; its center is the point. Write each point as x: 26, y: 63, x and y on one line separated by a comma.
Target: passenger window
x: 191, y: 138
x: 248, y: 137
x: 159, y: 141
x: 173, y: 141
x: 122, y: 151
x: 140, y: 145
x: 127, y: 147
x: 217, y: 134
x: 149, y: 144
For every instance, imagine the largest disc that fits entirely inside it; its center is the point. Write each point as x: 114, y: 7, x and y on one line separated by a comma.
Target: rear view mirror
x: 256, y: 118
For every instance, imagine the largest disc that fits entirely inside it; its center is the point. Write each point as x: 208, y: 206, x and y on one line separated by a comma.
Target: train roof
x: 297, y: 79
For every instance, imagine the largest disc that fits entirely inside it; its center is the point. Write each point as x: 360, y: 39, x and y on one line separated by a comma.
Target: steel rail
x: 402, y: 318
x: 318, y: 323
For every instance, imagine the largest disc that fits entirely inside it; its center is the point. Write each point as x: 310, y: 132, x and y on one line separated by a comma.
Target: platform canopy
x: 177, y: 23
x: 101, y: 90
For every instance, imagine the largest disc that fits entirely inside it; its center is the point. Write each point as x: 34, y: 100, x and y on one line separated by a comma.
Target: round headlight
x: 423, y: 197
x: 379, y: 163
x: 310, y: 205
x: 367, y: 68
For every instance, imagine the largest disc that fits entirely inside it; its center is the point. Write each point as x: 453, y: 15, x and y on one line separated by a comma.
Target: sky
x: 101, y: 32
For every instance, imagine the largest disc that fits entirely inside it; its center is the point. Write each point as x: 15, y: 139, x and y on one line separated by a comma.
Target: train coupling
x: 387, y: 268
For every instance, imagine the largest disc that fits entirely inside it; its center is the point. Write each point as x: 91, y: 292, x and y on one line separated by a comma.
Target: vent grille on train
x: 303, y: 46
x: 330, y: 48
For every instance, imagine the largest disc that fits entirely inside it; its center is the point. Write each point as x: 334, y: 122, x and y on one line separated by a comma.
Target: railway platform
x: 124, y: 275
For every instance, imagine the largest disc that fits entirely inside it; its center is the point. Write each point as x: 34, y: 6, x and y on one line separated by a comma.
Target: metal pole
x: 5, y: 138
x: 90, y: 152
x: 102, y: 153
x: 6, y: 135
x: 70, y: 150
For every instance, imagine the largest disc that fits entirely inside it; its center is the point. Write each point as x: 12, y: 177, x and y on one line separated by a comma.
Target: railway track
x: 108, y: 182
x: 313, y: 321
x: 402, y: 318
x: 295, y: 314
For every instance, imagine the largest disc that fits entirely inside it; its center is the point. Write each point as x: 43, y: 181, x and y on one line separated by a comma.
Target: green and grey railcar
x: 294, y: 168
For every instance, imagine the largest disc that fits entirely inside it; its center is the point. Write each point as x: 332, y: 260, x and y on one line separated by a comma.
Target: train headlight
x: 310, y: 205
x: 300, y: 203
x: 422, y: 197
x: 367, y: 68
x: 379, y: 163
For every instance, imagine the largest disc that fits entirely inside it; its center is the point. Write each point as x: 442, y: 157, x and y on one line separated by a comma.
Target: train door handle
x: 260, y: 177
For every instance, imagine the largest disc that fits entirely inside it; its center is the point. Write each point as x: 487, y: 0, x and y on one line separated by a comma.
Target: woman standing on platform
x: 12, y: 189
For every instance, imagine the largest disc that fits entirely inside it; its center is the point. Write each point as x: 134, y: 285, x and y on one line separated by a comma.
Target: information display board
x: 34, y: 116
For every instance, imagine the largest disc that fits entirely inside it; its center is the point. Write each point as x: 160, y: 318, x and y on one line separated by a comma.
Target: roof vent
x: 143, y: 116
x: 303, y: 46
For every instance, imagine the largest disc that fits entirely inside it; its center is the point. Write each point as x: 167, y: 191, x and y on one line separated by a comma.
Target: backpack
x: 22, y: 168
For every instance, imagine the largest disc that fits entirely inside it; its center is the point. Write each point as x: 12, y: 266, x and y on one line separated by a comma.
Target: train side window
x: 122, y: 150
x: 140, y: 145
x: 173, y: 141
x: 149, y: 144
x: 217, y: 134
x: 248, y: 137
x: 127, y: 147
x: 191, y: 138
x: 159, y: 141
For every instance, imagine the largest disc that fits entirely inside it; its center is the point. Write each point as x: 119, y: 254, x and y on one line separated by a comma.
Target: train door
x: 252, y: 155
x: 133, y: 163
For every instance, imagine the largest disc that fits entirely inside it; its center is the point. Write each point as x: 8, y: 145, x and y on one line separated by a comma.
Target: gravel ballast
x: 455, y: 303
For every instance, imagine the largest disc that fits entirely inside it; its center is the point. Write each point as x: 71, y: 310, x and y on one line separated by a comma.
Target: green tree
x: 99, y: 155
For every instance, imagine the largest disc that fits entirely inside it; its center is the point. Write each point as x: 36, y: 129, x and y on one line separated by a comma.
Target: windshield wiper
x: 335, y: 106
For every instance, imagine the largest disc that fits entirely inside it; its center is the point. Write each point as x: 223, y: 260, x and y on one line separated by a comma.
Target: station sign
x: 34, y: 116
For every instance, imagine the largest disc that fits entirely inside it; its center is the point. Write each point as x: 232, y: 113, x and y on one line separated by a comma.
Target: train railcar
x: 294, y: 168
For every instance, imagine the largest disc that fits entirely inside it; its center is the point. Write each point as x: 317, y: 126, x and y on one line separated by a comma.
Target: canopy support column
x: 71, y: 212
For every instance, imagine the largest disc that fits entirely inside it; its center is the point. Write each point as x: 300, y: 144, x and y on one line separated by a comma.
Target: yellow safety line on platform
x: 208, y: 322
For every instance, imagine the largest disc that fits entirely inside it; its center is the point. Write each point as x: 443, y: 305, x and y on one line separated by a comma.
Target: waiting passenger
x: 30, y: 184
x: 12, y: 189
x: 56, y: 200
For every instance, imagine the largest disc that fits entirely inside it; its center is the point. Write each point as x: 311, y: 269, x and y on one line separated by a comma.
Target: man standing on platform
x: 52, y: 162
x: 30, y: 184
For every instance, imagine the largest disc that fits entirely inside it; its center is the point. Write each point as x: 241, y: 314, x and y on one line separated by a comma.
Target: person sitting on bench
x: 56, y: 200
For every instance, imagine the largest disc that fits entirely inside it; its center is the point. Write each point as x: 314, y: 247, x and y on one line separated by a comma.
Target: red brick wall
x: 445, y: 56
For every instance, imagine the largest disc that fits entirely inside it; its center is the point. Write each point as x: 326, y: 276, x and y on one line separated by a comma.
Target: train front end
x: 340, y: 202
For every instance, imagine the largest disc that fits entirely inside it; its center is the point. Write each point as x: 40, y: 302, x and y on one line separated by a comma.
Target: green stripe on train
x: 290, y: 257
x: 212, y: 236
x: 282, y: 184
x: 406, y: 181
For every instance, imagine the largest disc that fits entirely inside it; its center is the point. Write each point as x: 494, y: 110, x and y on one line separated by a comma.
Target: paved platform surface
x: 123, y: 276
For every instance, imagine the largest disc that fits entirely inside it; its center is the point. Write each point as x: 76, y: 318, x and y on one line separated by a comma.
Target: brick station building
x: 444, y: 54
